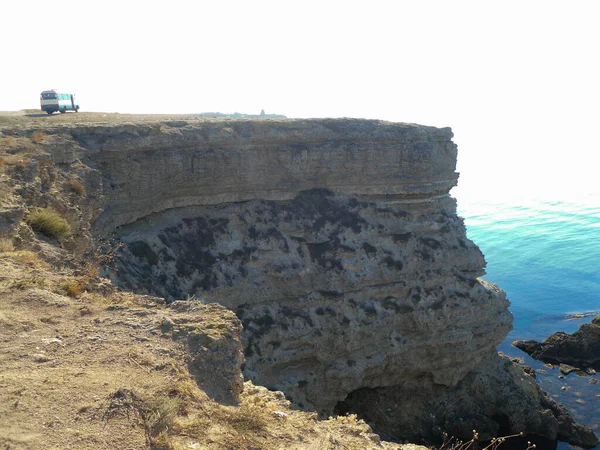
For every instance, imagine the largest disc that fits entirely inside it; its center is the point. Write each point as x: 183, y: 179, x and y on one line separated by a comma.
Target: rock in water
x: 580, y: 349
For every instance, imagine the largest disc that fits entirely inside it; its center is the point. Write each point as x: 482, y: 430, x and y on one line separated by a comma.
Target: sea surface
x: 545, y: 253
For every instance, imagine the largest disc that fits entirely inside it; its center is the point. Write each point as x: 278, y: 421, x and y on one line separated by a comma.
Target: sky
x: 518, y: 81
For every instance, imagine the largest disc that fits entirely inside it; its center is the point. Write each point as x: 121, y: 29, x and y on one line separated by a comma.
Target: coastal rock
x: 336, y: 244
x: 498, y: 399
x: 335, y: 293
x: 580, y: 349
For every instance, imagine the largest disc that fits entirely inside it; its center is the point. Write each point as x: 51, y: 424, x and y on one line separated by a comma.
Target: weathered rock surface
x: 157, y: 167
x: 580, y: 349
x: 335, y: 242
x: 214, y: 347
x: 497, y: 399
x: 335, y: 293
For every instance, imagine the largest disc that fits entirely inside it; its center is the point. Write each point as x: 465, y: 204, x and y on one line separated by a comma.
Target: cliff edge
x: 337, y: 245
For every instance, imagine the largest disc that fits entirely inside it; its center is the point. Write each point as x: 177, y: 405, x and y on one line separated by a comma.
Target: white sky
x: 518, y: 81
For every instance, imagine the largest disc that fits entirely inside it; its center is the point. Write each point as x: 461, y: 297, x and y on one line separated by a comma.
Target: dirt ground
x: 33, y: 117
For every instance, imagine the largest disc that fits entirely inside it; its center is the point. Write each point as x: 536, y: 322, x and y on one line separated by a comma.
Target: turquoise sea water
x: 545, y: 254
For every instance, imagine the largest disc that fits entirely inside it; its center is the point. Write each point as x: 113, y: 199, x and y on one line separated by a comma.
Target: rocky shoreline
x: 580, y: 350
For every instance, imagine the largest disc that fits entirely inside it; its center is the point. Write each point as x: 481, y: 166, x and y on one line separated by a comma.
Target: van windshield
x: 47, y: 95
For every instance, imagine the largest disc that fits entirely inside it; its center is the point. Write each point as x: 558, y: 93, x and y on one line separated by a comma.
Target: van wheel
x: 77, y: 109
x: 49, y: 112
x: 62, y: 111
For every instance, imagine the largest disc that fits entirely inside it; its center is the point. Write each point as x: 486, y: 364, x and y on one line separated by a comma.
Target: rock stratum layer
x: 150, y: 169
x: 337, y: 245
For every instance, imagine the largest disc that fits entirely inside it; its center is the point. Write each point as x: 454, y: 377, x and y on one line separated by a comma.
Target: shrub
x: 75, y: 288
x: 77, y: 187
x: 157, y: 412
x: 49, y: 222
x: 158, y: 415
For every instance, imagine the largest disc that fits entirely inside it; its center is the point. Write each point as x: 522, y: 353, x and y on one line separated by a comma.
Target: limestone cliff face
x: 335, y: 293
x: 149, y: 168
x: 334, y: 241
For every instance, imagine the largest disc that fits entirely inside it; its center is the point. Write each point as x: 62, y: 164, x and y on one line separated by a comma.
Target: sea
x: 544, y: 251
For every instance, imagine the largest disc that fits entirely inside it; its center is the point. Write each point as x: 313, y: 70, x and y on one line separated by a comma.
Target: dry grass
x: 75, y: 288
x: 27, y: 258
x: 37, y: 137
x: 6, y: 245
x: 7, y: 142
x: 451, y: 443
x: 157, y: 413
x: 77, y: 187
x: 49, y: 222
x: 14, y: 160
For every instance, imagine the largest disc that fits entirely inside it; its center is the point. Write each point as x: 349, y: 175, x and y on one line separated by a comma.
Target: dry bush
x: 77, y: 187
x: 247, y: 419
x: 21, y: 164
x: 37, y: 137
x: 49, y: 222
x: 452, y: 443
x: 75, y: 288
x: 6, y: 245
x: 157, y: 413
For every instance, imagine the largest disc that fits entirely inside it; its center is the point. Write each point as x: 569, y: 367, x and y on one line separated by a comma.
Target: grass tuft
x: 6, y: 245
x: 37, y: 137
x: 49, y: 222
x: 75, y: 288
x: 158, y: 416
x: 157, y: 413
x: 77, y: 187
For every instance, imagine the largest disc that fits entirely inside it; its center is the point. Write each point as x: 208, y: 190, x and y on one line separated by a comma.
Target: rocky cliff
x: 337, y: 244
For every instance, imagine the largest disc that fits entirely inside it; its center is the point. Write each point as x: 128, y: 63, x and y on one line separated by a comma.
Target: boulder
x: 580, y: 349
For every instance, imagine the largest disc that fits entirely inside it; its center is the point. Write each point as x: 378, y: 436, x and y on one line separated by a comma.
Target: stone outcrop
x: 335, y: 293
x: 498, y: 399
x: 213, y: 346
x: 580, y: 349
x: 336, y: 244
x: 149, y: 168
